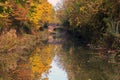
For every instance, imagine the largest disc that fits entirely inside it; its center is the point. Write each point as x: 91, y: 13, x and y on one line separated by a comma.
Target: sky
x: 54, y: 2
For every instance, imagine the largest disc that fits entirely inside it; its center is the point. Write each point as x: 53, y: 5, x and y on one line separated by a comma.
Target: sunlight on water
x: 56, y: 73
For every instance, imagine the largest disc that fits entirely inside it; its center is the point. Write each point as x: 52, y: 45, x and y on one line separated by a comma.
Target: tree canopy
x: 24, y: 14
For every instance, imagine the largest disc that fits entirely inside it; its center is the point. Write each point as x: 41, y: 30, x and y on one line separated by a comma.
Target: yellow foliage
x: 47, y: 54
x: 81, y: 11
x: 82, y: 8
x: 40, y: 60
x: 41, y: 14
x: 36, y: 63
x: 33, y: 12
x: 3, y: 16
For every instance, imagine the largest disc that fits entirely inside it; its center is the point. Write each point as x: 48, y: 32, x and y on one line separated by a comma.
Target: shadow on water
x: 82, y: 63
x: 59, y: 59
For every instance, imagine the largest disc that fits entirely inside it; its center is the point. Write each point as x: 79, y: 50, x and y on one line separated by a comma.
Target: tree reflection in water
x: 85, y: 64
x: 79, y: 63
x: 27, y: 67
x: 40, y: 61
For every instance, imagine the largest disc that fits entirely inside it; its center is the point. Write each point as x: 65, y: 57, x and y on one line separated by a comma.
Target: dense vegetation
x: 18, y: 17
x: 92, y: 21
x: 24, y: 15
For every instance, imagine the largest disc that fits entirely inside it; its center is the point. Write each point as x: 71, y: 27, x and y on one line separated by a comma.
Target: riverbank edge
x: 11, y: 43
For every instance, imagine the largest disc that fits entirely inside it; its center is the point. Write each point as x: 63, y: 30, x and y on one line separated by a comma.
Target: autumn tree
x: 41, y: 12
x: 5, y: 21
x: 25, y: 15
x: 90, y: 20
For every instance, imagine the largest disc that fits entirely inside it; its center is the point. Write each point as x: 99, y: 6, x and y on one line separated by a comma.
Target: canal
x: 59, y: 59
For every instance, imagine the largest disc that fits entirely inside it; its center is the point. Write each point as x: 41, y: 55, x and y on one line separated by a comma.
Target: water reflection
x: 56, y: 72
x: 59, y: 60
x: 39, y: 65
x: 27, y: 67
x: 82, y: 63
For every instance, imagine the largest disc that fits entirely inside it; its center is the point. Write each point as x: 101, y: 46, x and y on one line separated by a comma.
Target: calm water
x: 59, y: 59
x: 56, y: 72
